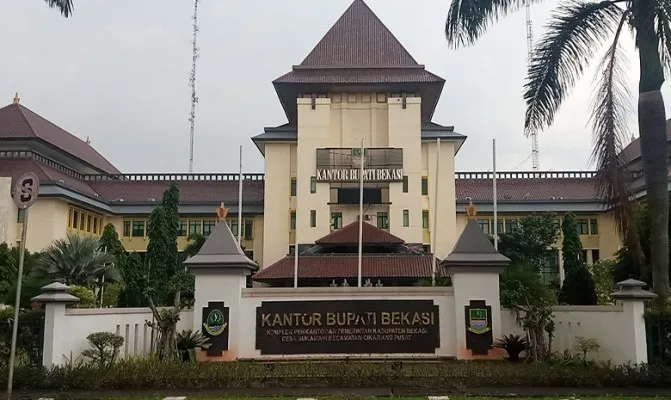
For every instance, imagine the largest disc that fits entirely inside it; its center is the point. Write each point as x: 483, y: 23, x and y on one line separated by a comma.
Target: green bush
x: 29, y: 341
x: 151, y: 374
x: 104, y: 348
x: 87, y: 299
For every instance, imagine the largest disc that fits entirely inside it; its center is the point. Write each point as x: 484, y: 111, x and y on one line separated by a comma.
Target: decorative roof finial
x: 17, y: 99
x: 222, y: 212
x: 88, y: 140
x: 471, y: 209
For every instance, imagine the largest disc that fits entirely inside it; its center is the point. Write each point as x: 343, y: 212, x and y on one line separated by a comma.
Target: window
x: 207, y: 227
x: 484, y: 225
x: 511, y: 225
x: 383, y: 220
x: 234, y: 227
x: 405, y: 184
x: 425, y: 219
x: 406, y: 218
x: 425, y: 186
x: 550, y: 268
x: 88, y: 223
x: 194, y: 227
x: 21, y: 216
x: 499, y: 226
x: 75, y: 219
x: 336, y: 220
x: 293, y: 186
x: 181, y: 228
x: 583, y: 256
x: 313, y: 184
x: 82, y: 221
x: 292, y: 220
x: 595, y: 256
x: 593, y: 227
x: 313, y: 218
x: 126, y: 228
x: 95, y: 225
x: 138, y: 229
x: 70, y: 211
x: 249, y: 230
x: 583, y: 226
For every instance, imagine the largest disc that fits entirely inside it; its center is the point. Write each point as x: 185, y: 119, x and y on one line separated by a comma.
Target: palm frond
x: 576, y: 30
x: 467, y: 20
x: 64, y: 6
x: 611, y: 108
x: 663, y: 22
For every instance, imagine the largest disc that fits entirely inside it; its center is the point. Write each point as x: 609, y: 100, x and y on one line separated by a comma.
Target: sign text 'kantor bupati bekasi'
x: 353, y: 175
x: 347, y: 327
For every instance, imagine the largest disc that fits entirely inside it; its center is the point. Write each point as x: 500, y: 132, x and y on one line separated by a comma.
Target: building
x: 358, y: 84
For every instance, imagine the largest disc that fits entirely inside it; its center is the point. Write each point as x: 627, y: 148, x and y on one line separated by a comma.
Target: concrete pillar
x: 632, y: 297
x: 55, y: 297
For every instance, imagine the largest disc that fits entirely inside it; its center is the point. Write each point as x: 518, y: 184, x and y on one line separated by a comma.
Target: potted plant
x: 188, y: 341
x: 513, y: 345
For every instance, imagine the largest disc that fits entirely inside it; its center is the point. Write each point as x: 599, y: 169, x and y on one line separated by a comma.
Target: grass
x: 400, y: 398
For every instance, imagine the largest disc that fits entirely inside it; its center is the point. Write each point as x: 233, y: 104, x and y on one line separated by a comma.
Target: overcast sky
x: 118, y: 72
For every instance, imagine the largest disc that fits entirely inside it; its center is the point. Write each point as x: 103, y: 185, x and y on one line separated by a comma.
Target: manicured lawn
x: 403, y: 398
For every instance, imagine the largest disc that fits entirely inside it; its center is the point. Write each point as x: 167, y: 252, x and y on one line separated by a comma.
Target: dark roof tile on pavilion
x: 527, y: 189
x: 349, y: 234
x: 474, y: 249
x: 19, y: 122
x: 221, y: 250
x: 346, y: 266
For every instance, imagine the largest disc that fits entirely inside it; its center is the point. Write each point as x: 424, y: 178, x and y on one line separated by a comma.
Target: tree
x: 65, y: 7
x: 9, y: 267
x: 77, y: 260
x: 195, y: 242
x: 531, y: 243
x: 135, y: 273
x: 110, y: 243
x: 577, y: 29
x: 578, y: 287
x: 571, y: 249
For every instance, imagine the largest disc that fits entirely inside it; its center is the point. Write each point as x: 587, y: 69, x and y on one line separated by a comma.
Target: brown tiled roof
x: 359, y: 76
x: 528, y: 189
x: 17, y: 167
x: 633, y: 150
x: 346, y: 266
x: 18, y: 122
x: 189, y: 191
x: 349, y: 234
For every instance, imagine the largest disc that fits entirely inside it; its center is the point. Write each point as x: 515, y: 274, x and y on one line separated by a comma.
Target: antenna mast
x: 535, y: 162
x: 192, y: 83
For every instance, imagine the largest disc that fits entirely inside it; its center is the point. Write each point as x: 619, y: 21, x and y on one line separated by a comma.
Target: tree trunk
x: 652, y: 130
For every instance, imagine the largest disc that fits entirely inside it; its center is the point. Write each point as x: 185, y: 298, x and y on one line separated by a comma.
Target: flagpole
x: 360, y: 216
x: 435, y: 216
x: 296, y: 253
x: 494, y: 200
x: 240, y: 203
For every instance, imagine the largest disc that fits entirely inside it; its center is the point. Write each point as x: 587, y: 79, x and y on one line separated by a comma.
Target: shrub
x: 87, y: 299
x: 602, y: 273
x: 579, y: 288
x: 104, y: 348
x: 513, y: 345
x: 152, y: 374
x: 29, y: 341
x: 188, y: 341
x: 111, y: 294
x: 586, y: 345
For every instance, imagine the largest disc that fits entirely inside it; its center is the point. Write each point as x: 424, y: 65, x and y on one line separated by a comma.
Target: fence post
x: 55, y: 296
x: 633, y: 298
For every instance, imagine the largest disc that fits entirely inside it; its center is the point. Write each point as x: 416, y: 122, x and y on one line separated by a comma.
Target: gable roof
x: 19, y: 122
x: 349, y: 234
x: 359, y: 51
x: 221, y: 250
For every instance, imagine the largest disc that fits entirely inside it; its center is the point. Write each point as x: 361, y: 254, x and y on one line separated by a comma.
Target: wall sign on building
x: 347, y: 327
x: 344, y: 165
x: 352, y: 175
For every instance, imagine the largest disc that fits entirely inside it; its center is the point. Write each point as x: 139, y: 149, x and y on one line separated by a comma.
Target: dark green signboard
x: 479, y: 337
x: 215, y: 327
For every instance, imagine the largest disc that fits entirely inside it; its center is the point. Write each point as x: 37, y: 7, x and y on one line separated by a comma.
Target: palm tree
x: 64, y: 6
x: 77, y: 260
x: 577, y: 29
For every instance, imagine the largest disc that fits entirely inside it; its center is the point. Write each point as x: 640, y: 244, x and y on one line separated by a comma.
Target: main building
x: 358, y: 87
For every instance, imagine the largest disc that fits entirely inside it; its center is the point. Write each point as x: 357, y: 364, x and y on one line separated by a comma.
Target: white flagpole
x: 494, y: 200
x: 240, y: 203
x: 296, y: 253
x: 435, y: 216
x: 360, y: 215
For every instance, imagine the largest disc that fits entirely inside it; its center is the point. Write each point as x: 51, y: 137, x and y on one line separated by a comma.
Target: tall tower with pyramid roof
x: 359, y: 86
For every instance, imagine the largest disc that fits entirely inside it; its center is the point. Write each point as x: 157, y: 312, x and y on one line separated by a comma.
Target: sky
x: 117, y: 72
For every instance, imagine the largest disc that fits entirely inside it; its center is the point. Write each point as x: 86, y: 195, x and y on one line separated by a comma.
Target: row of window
x: 313, y: 185
x: 186, y: 227
x: 382, y: 219
x: 585, y: 226
x: 84, y: 221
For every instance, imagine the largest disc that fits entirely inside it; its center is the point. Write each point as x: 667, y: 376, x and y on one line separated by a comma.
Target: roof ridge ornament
x: 471, y: 209
x: 222, y: 212
x: 17, y: 99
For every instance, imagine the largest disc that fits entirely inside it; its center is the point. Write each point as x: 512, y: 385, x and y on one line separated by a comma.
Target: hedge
x: 150, y: 374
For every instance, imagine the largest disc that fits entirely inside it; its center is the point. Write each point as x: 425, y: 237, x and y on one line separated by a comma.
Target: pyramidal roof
x: 474, y: 249
x: 349, y: 234
x: 359, y: 39
x: 221, y: 250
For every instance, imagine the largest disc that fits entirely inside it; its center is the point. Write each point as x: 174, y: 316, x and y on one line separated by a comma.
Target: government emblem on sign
x: 26, y: 189
x: 215, y: 324
x: 215, y: 327
x: 477, y: 321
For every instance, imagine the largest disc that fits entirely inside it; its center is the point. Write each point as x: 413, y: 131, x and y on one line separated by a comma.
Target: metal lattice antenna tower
x: 535, y: 162
x: 192, y: 83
